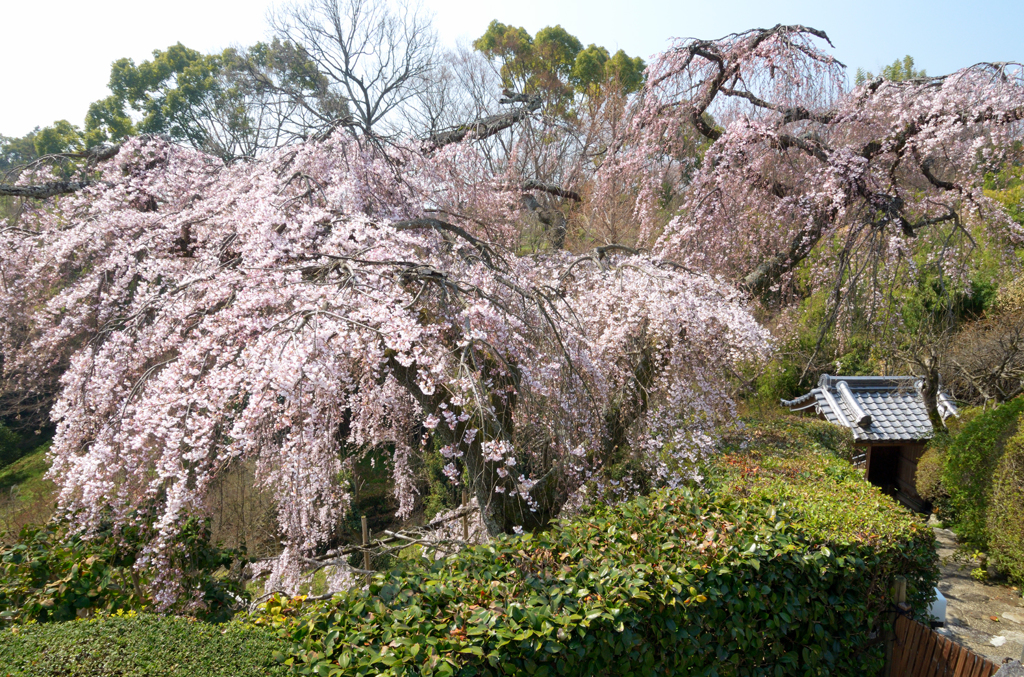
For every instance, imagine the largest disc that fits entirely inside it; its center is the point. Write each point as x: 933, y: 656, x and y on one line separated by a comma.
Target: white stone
x: 998, y: 641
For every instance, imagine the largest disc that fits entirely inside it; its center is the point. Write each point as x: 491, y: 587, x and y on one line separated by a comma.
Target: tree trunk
x: 500, y: 510
x: 930, y: 392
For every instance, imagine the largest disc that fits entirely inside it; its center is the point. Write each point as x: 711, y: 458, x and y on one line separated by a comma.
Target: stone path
x: 971, y: 607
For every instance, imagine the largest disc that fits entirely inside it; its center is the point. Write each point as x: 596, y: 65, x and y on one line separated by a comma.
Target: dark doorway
x: 883, y: 463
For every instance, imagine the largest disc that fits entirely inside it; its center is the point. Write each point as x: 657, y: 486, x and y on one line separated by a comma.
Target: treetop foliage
x: 225, y: 104
x: 554, y: 63
x: 898, y: 71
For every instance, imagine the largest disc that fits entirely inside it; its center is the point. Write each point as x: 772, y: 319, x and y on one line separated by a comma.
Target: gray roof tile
x: 894, y: 403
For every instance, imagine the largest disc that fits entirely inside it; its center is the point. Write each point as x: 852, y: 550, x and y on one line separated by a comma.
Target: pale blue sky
x: 56, y: 55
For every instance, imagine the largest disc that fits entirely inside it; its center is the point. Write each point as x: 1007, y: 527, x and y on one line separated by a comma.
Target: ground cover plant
x: 53, y: 573
x: 779, y: 566
x: 138, y: 645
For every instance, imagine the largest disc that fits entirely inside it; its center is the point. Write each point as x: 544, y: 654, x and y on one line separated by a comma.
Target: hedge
x: 789, y: 436
x: 143, y: 645
x: 971, y: 457
x: 779, y: 568
x: 1006, y: 512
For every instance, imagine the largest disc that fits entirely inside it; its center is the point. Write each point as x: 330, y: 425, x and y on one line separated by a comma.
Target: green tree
x: 172, y: 93
x: 512, y: 49
x: 898, y: 71
x: 60, y: 137
x: 15, y: 152
x: 555, y: 64
x: 232, y: 104
x: 106, y: 121
x: 627, y: 71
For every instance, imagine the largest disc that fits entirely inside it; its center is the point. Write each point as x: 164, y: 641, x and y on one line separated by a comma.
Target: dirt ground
x: 987, y: 618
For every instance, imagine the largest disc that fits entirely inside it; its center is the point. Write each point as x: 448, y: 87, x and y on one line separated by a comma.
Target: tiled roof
x: 874, y: 408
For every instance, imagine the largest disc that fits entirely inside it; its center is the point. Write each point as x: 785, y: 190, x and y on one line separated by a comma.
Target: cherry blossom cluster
x: 325, y: 300
x: 801, y: 174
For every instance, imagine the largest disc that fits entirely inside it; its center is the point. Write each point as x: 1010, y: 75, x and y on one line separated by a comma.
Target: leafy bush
x: 929, y: 476
x: 51, y: 574
x: 143, y: 645
x: 1006, y: 512
x: 971, y: 459
x: 790, y: 436
x: 932, y: 463
x: 780, y: 569
x: 10, y: 450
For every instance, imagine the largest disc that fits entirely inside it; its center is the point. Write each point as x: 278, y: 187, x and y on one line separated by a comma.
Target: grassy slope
x: 27, y: 471
x: 25, y: 497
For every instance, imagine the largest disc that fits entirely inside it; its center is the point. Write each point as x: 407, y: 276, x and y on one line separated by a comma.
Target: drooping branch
x: 716, y: 66
x: 862, y: 161
x: 926, y: 169
x: 789, y: 113
x: 486, y: 252
x: 630, y: 403
x: 501, y: 509
x: 771, y: 269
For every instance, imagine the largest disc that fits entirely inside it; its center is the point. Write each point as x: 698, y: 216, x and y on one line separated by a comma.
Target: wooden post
x: 366, y: 543
x: 465, y: 518
x: 899, y: 594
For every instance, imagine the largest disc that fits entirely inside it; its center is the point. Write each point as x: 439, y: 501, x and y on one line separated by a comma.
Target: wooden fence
x: 919, y: 651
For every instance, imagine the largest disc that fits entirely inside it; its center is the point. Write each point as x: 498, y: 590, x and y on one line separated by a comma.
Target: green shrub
x: 780, y: 569
x: 53, y: 574
x: 440, y: 495
x: 10, y: 450
x: 1006, y: 512
x: 143, y: 645
x: 790, y: 436
x: 929, y: 476
x: 971, y: 459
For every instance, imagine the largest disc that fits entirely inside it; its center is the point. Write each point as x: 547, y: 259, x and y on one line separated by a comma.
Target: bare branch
x: 484, y: 127
x: 533, y: 184
x: 45, y: 190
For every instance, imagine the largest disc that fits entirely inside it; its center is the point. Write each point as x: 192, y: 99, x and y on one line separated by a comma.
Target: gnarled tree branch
x: 488, y: 126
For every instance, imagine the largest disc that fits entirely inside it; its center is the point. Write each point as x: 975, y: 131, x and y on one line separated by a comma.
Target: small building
x: 889, y: 422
